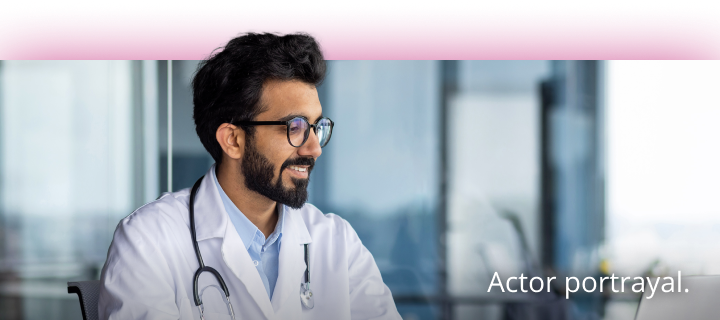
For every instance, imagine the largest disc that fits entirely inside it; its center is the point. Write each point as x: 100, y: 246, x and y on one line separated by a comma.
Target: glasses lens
x: 324, y: 131
x: 297, y: 131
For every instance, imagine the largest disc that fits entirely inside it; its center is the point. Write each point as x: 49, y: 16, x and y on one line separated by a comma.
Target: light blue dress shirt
x: 263, y: 252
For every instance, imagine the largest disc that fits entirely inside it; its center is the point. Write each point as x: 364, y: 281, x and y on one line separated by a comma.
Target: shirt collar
x: 245, y: 228
x: 277, y: 233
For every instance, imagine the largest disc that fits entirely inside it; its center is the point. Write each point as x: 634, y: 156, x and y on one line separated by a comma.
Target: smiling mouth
x: 299, y: 169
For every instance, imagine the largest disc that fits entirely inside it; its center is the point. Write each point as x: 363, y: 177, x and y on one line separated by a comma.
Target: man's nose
x: 312, y: 146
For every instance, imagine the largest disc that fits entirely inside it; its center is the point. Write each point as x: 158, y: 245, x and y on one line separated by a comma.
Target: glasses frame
x: 287, y: 128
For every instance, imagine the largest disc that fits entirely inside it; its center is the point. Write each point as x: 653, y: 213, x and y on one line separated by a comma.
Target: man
x: 257, y: 113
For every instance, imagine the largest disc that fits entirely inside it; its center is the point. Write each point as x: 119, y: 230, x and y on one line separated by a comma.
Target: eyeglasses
x: 298, y: 129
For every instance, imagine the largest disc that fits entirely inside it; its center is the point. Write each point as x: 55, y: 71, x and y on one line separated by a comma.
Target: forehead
x: 281, y: 98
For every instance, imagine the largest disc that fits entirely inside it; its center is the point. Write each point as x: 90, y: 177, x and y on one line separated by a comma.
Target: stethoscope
x: 306, y: 295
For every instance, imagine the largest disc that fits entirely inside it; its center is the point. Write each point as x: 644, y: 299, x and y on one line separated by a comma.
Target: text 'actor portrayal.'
x: 244, y: 232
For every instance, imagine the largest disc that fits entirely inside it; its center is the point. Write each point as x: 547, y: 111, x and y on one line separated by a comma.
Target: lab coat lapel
x: 213, y: 222
x: 239, y: 261
x: 291, y: 267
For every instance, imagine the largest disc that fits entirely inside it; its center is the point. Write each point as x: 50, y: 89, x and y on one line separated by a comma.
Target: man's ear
x: 231, y: 140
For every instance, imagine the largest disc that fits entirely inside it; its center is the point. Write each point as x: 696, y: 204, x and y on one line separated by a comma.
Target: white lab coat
x: 151, y: 262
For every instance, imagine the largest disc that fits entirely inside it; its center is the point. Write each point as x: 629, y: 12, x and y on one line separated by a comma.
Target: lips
x: 301, y: 166
x: 297, y: 168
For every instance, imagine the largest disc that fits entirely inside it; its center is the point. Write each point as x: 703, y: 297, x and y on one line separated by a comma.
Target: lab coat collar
x: 216, y: 223
x: 213, y: 222
x: 211, y: 218
x: 295, y: 225
x: 215, y: 219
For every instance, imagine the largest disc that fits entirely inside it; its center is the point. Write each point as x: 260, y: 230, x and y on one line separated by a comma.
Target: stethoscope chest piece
x: 306, y: 296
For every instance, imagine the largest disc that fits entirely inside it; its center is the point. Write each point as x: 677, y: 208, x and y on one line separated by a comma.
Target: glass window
x: 663, y: 173
x: 380, y: 171
x: 69, y: 172
x: 493, y: 178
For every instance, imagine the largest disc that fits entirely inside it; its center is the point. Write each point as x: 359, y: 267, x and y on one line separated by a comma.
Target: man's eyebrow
x: 291, y: 116
x: 295, y: 115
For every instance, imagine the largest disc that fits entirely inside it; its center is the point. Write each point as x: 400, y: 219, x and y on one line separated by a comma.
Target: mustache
x: 299, y: 162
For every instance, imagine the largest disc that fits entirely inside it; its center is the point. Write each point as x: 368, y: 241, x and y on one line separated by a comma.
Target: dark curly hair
x: 228, y: 85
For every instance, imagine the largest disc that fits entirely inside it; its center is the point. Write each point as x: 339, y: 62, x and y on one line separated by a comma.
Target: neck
x: 260, y: 210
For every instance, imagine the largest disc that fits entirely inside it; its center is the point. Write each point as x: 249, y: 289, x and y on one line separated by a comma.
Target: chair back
x: 88, y: 293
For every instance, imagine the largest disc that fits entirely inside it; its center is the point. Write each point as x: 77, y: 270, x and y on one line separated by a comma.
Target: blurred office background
x: 448, y: 171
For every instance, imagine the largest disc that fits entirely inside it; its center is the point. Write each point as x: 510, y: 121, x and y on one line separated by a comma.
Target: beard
x: 259, y: 173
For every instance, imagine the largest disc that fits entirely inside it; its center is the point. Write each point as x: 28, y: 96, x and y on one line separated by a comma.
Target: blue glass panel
x: 380, y: 171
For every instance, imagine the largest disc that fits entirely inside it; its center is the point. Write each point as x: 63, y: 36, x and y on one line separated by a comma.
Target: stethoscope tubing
x: 203, y: 268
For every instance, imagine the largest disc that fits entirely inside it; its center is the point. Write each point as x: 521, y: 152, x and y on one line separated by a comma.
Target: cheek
x: 278, y: 158
x: 276, y: 152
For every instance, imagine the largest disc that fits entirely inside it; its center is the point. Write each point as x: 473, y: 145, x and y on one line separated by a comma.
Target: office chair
x: 88, y: 292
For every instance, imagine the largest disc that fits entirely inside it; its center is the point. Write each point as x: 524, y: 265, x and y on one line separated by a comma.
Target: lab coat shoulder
x: 159, y: 215
x: 156, y: 224
x: 369, y: 297
x: 136, y: 258
x: 331, y: 231
x: 323, y: 224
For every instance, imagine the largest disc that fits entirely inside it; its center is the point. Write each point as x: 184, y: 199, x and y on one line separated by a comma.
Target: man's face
x: 271, y: 166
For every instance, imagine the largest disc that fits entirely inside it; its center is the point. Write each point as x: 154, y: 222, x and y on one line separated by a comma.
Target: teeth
x: 298, y: 168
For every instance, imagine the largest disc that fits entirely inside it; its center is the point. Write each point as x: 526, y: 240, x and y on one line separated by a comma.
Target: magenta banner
x: 367, y: 33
